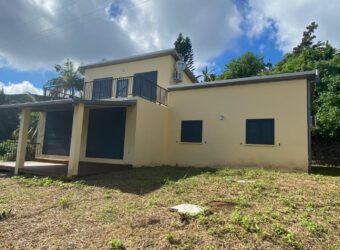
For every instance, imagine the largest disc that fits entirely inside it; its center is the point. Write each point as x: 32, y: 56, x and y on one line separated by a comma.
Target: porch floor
x: 54, y: 169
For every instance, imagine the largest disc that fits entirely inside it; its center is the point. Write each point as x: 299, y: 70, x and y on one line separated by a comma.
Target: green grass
x: 129, y: 209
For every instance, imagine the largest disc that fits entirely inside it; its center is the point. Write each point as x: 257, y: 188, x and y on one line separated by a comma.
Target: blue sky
x: 51, y: 31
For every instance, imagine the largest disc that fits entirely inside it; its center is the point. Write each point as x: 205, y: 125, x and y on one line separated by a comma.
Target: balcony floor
x: 54, y: 169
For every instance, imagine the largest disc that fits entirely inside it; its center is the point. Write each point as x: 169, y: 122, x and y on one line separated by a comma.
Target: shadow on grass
x: 326, y: 170
x: 142, y: 180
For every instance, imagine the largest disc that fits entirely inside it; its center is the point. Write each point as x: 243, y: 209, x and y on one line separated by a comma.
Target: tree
x: 207, y: 75
x: 248, y: 64
x: 69, y: 78
x: 183, y: 47
x: 307, y: 38
x: 323, y: 56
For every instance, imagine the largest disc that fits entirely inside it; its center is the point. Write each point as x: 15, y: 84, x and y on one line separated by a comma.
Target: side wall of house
x: 165, y: 66
x: 151, y: 138
x: 224, y: 138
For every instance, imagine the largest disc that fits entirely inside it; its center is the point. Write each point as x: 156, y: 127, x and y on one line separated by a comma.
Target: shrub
x: 313, y: 227
x: 279, y: 229
x: 64, y: 202
x: 115, y: 244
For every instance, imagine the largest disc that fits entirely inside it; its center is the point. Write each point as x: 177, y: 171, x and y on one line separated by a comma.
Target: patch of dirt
x: 146, y: 222
x: 216, y: 206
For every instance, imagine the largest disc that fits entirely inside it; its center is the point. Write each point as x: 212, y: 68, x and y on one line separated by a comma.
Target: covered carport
x: 72, y: 166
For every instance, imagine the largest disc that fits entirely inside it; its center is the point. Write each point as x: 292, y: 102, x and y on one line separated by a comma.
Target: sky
x: 37, y: 34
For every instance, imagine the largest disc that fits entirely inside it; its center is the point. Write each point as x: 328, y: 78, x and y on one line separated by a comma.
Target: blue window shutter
x: 260, y: 131
x: 122, y: 87
x: 191, y: 131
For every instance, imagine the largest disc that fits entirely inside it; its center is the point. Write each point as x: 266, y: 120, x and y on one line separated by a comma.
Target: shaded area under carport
x: 59, y: 169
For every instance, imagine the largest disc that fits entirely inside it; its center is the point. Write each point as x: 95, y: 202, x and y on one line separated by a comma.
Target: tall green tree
x: 248, y: 64
x: 309, y: 55
x: 307, y: 40
x: 183, y: 47
x: 69, y: 78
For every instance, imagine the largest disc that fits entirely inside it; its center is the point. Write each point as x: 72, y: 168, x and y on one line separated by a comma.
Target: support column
x: 22, y: 142
x: 77, y: 128
x: 40, y: 134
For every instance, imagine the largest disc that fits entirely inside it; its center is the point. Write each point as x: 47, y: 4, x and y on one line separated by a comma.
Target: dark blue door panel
x: 102, y: 88
x: 145, y: 85
x: 106, y: 133
x: 58, y: 130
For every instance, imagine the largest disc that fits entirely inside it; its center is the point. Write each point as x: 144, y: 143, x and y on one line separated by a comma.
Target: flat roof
x: 312, y: 75
x: 68, y: 104
x: 139, y: 57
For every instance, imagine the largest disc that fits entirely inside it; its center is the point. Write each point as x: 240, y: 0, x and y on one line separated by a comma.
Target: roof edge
x: 145, y: 56
x: 69, y: 101
x: 313, y: 74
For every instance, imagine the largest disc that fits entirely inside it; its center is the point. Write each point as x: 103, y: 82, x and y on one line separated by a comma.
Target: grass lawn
x: 248, y: 209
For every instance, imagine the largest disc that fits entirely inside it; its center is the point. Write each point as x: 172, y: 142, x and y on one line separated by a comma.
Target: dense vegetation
x: 9, y: 118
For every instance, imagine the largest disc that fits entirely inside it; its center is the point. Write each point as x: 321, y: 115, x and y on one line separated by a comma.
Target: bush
x: 115, y: 244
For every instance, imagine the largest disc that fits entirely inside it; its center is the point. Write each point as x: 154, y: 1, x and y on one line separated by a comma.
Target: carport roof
x: 68, y: 104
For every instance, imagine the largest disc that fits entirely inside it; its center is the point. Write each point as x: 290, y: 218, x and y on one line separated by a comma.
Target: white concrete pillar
x: 77, y: 128
x: 22, y: 142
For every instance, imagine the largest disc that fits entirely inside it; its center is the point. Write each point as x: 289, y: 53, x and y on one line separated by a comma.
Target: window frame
x: 184, y: 138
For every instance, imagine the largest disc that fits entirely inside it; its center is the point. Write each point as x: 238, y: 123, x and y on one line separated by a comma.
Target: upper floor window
x: 260, y: 131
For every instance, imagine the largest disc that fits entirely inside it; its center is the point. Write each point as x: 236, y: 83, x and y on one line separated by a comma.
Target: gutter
x: 247, y: 80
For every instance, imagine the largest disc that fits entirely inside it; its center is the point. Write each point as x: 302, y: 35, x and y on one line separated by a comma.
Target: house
x: 140, y: 111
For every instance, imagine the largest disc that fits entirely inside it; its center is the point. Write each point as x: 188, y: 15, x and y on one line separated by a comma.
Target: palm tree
x: 33, y: 126
x: 207, y: 75
x: 68, y: 82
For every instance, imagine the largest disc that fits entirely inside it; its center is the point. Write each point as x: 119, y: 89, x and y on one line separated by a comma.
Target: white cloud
x: 36, y: 34
x: 20, y: 88
x: 291, y: 18
x: 40, y: 33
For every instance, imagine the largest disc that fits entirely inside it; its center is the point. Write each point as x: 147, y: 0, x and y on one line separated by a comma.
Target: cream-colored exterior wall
x: 151, y: 138
x: 224, y: 140
x: 164, y: 65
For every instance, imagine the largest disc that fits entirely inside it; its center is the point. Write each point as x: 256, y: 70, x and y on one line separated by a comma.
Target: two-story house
x: 141, y: 111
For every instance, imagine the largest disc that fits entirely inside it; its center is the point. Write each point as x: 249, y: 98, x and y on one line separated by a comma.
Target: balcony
x: 107, y: 88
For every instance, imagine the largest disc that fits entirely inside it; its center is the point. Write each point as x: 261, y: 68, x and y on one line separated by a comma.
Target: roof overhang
x: 309, y: 75
x: 145, y: 56
x: 64, y: 104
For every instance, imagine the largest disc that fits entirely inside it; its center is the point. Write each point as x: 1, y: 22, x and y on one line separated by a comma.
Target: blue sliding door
x: 106, y: 133
x: 58, y: 130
